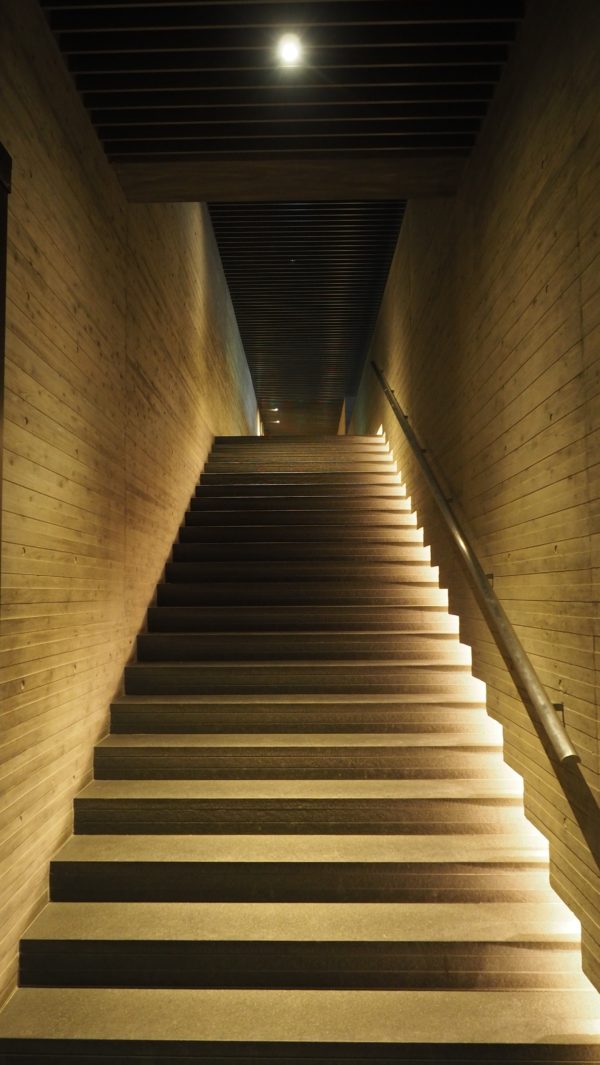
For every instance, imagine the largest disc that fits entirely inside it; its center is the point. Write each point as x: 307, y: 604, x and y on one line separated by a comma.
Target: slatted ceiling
x: 196, y: 84
x: 201, y: 79
x: 306, y: 280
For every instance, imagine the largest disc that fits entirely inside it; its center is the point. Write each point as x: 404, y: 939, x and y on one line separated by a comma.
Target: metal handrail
x: 539, y: 707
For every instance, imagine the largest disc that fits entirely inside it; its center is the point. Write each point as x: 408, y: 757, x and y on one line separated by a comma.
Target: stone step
x: 273, y: 807
x: 519, y: 1027
x: 301, y: 868
x: 295, y: 677
x: 271, y: 646
x: 454, y: 946
x: 330, y: 593
x: 324, y: 618
x: 203, y: 713
x: 302, y: 756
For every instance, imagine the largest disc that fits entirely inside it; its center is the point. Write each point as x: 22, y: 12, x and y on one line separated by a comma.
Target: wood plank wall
x: 123, y: 360
x: 490, y: 333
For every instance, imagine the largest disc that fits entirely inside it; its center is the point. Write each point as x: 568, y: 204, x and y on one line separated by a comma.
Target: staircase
x: 301, y: 843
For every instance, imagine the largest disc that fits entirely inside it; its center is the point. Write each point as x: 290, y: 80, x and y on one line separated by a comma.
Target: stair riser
x: 283, y: 476
x: 319, y: 504
x: 296, y: 619
x: 314, y: 490
x: 297, y: 552
x: 293, y: 764
x: 330, y: 519
x: 398, y: 573
x: 293, y: 882
x: 313, y: 534
x: 325, y: 467
x: 171, y: 718
x: 295, y: 817
x: 311, y: 592
x: 147, y: 679
x: 181, y: 647
x: 456, y: 966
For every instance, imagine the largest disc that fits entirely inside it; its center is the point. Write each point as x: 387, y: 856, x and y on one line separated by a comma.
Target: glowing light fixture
x: 289, y: 49
x: 274, y: 409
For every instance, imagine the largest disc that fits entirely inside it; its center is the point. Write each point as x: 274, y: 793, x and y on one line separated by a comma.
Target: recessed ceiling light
x: 274, y: 409
x: 276, y: 421
x: 289, y: 49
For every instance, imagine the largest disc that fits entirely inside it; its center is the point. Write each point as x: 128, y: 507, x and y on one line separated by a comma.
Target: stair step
x: 313, y: 490
x: 304, y: 945
x: 188, y: 714
x: 338, y: 807
x: 320, y: 504
x: 311, y: 570
x: 379, y: 463
x: 300, y: 868
x: 333, y: 439
x: 339, y: 593
x: 346, y: 536
x: 488, y: 1027
x: 301, y: 756
x: 295, y: 677
x: 299, y: 552
x: 339, y: 619
x: 331, y: 518
x: 284, y: 476
x: 270, y: 646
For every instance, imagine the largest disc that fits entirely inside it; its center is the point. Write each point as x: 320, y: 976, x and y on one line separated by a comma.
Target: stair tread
x: 463, y: 742
x: 318, y: 1016
x: 549, y: 923
x: 509, y: 789
x: 231, y: 699
x: 527, y: 848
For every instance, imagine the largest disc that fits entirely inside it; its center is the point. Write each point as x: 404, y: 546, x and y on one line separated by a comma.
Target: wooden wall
x: 122, y: 361
x: 490, y: 333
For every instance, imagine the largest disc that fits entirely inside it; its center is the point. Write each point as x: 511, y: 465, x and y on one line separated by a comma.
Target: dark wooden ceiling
x: 190, y: 103
x: 306, y: 281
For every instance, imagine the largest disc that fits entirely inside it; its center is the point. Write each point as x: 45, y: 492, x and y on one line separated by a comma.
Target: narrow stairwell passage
x: 301, y: 842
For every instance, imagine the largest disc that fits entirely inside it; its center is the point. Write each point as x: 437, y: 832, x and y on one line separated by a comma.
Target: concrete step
x: 338, y: 619
x: 305, y: 570
x: 204, y: 713
x: 519, y: 1027
x: 331, y: 518
x: 271, y: 646
x: 278, y: 463
x: 345, y: 536
x: 302, y: 756
x: 372, y: 476
x: 241, y: 504
x: 295, y: 677
x: 345, y: 443
x: 300, y: 868
x: 345, y: 552
x: 290, y: 807
x: 302, y: 593
x: 454, y: 946
x: 312, y: 490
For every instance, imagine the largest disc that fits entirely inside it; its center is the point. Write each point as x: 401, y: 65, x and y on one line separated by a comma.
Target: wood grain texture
x: 123, y: 360
x: 490, y: 334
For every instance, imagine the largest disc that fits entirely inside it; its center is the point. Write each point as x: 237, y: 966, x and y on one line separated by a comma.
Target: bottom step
x: 78, y: 1025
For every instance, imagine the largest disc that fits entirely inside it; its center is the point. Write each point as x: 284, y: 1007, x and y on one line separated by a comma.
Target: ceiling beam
x: 253, y: 180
